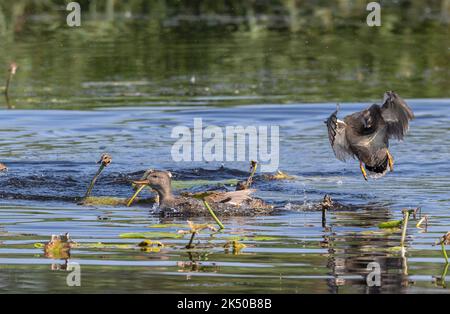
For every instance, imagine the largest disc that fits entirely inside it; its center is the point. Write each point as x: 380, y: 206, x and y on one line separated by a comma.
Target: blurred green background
x: 224, y: 52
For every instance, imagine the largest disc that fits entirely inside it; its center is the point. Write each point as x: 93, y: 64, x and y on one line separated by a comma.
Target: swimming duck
x: 3, y: 167
x: 235, y: 203
x: 365, y: 134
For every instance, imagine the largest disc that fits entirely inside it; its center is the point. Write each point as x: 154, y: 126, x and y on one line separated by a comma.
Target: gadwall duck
x: 365, y: 135
x: 235, y: 203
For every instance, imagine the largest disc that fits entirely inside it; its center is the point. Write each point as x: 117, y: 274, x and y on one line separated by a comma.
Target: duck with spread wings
x: 365, y: 135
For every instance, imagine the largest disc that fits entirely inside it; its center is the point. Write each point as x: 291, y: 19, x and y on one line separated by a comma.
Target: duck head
x: 160, y: 181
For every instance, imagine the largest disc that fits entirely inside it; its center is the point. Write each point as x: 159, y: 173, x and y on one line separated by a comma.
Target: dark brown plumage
x: 365, y: 135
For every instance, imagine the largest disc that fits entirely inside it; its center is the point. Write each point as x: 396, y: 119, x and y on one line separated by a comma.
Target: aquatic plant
x: 422, y: 220
x: 151, y: 246
x: 390, y: 224
x: 247, y: 183
x: 103, y: 201
x: 445, y: 240
x: 213, y: 214
x: 235, y: 247
x: 104, y: 161
x: 59, y: 246
x: 149, y: 235
x: 136, y: 193
x: 406, y: 214
x: 194, y: 229
x: 440, y: 280
x: 393, y: 224
x: 139, y: 188
x: 279, y: 175
x: 326, y: 204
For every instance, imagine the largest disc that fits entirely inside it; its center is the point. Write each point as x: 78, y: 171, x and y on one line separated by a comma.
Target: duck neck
x: 165, y: 195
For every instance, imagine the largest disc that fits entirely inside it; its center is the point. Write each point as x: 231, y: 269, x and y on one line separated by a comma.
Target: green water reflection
x: 180, y: 52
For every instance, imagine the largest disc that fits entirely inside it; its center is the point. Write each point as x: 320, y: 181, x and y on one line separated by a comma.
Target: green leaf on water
x: 255, y: 238
x: 100, y: 245
x: 103, y: 201
x: 39, y: 245
x: 390, y: 224
x: 263, y: 238
x: 394, y: 249
x: 150, y: 235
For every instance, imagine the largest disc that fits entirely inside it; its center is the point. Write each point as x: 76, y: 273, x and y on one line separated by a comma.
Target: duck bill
x: 141, y: 182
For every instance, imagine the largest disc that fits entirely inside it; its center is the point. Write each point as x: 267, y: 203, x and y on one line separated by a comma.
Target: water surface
x: 120, y: 87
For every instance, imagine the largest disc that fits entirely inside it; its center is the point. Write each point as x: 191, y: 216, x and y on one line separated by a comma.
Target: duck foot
x: 363, y: 171
x: 390, y: 161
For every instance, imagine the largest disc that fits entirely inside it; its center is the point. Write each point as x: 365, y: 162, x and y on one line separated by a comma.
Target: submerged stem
x: 324, y: 216
x: 131, y: 200
x: 94, y: 179
x: 190, y: 246
x: 213, y: 214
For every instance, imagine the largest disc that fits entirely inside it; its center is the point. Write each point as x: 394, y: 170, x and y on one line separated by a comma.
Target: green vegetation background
x: 288, y: 50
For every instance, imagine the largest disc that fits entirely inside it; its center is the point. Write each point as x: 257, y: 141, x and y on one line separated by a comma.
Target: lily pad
x: 149, y: 243
x: 100, y: 245
x: 103, y: 201
x: 390, y: 224
x: 255, y: 238
x: 149, y: 235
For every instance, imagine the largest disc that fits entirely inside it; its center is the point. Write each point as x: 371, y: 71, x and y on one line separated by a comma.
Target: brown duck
x: 235, y: 203
x: 3, y: 167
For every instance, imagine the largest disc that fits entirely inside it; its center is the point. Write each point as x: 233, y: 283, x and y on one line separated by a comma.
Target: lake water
x: 77, y: 96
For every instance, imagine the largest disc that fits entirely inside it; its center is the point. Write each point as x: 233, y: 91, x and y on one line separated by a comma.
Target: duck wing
x: 338, y: 138
x: 397, y: 114
x: 234, y: 197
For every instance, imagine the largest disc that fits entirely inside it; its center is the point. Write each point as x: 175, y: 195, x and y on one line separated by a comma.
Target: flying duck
x: 365, y: 134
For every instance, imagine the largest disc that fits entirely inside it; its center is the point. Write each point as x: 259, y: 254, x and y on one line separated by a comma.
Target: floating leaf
x: 253, y: 238
x: 279, y: 175
x: 390, y: 224
x: 103, y: 201
x: 235, y: 245
x: 39, y: 245
x: 148, y: 235
x: 149, y: 243
x: 101, y: 245
x: 395, y: 249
